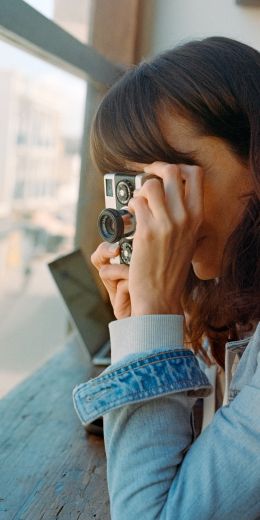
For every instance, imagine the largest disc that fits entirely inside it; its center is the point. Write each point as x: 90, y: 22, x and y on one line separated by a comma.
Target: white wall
x: 177, y: 21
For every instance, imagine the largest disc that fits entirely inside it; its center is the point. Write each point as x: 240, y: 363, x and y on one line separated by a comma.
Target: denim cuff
x: 155, y: 374
x: 142, y: 333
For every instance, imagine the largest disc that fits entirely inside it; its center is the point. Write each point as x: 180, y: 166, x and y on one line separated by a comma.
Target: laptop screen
x: 81, y: 295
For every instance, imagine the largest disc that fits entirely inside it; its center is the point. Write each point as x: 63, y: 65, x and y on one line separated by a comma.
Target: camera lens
x: 108, y: 225
x: 124, y: 191
x: 114, y: 224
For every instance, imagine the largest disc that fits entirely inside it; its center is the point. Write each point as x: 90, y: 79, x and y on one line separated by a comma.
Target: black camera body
x: 115, y: 223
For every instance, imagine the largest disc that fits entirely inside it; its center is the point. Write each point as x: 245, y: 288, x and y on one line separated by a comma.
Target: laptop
x: 85, y: 304
x: 87, y: 309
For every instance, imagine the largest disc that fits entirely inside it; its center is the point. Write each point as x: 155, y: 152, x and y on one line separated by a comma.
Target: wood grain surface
x: 50, y: 467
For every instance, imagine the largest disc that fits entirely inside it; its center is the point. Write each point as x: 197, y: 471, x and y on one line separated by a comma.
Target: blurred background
x: 57, y: 59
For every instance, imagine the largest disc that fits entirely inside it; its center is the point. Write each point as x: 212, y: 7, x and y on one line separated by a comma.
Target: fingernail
x: 112, y: 248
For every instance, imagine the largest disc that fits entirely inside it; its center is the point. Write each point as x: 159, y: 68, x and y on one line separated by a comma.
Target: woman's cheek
x: 212, y: 207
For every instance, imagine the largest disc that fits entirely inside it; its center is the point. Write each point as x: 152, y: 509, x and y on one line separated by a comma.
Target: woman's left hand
x: 169, y: 212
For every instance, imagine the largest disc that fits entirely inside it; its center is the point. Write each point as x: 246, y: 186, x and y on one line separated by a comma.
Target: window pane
x: 71, y: 15
x: 42, y: 110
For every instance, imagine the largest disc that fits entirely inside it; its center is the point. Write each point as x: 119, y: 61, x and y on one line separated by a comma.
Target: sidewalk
x: 33, y: 326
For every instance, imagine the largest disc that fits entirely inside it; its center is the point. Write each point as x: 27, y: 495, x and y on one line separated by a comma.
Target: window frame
x: 31, y: 31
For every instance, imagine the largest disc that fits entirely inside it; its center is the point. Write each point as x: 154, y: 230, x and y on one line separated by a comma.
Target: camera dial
x: 124, y: 191
x: 126, y: 249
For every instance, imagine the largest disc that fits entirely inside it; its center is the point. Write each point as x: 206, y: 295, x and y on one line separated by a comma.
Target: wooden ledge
x: 50, y: 468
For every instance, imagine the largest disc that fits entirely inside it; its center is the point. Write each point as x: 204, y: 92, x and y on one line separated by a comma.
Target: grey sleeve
x: 141, y: 333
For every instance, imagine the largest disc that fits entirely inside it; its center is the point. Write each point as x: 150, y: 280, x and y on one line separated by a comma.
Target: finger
x: 110, y: 275
x: 122, y: 304
x: 194, y: 192
x: 103, y: 253
x: 122, y: 295
x: 118, y: 291
x: 152, y: 190
x: 123, y: 288
x: 111, y: 287
x: 173, y: 187
x: 114, y: 272
x: 139, y: 207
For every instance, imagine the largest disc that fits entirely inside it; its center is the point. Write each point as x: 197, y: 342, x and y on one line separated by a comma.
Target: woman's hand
x: 114, y: 277
x: 168, y: 215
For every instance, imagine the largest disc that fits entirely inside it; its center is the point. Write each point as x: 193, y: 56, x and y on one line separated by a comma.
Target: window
x: 71, y: 15
x: 41, y: 130
x: 43, y: 112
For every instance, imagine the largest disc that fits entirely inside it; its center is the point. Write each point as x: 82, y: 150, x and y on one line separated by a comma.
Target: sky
x: 46, y: 7
x: 72, y: 88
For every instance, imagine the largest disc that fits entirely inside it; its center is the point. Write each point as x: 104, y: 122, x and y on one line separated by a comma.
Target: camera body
x: 116, y: 224
x: 119, y: 188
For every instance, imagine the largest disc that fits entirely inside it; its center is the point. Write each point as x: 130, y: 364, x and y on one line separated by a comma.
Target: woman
x: 191, y: 117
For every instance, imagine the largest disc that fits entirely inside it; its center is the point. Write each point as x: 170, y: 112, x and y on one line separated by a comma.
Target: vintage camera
x: 115, y: 222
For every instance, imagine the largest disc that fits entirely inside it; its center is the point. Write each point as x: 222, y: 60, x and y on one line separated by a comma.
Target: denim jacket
x: 157, y: 469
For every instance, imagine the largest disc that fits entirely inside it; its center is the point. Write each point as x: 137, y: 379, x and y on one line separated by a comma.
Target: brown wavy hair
x: 215, y: 84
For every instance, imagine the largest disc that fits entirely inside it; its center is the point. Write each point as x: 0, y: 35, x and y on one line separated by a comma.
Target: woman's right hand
x: 114, y: 278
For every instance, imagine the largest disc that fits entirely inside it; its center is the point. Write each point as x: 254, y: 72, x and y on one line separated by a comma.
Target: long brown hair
x: 214, y: 83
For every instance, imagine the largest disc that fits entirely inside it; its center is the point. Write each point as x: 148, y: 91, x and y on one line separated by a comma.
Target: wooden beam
x: 115, y: 29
